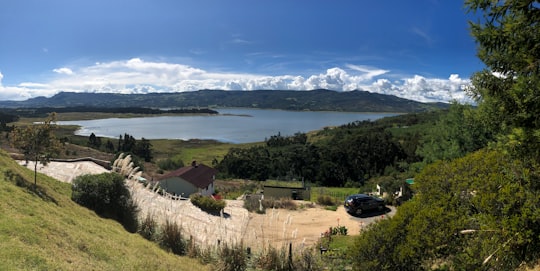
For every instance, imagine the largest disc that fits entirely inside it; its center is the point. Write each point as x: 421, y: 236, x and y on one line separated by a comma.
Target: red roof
x: 200, y: 175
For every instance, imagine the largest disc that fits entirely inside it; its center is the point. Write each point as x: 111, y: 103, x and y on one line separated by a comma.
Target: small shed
x: 196, y: 178
x: 295, y: 193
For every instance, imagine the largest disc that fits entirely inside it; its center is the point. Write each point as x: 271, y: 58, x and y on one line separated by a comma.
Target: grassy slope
x: 51, y: 232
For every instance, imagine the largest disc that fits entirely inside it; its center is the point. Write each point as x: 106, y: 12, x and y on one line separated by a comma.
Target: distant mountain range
x: 314, y: 100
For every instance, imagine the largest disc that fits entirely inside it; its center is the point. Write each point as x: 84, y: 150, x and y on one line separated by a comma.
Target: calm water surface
x: 232, y: 125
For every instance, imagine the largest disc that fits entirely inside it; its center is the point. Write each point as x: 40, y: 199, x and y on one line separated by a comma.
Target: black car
x: 359, y: 203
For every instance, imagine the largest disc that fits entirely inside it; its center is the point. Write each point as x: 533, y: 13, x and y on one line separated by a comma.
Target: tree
x: 37, y: 142
x: 94, y: 141
x: 454, y: 135
x: 508, y: 90
x: 143, y: 149
x: 109, y: 146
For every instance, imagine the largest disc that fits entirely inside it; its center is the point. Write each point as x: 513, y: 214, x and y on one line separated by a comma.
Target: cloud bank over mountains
x: 140, y: 76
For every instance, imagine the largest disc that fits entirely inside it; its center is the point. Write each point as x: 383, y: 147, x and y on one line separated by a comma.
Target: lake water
x: 232, y: 125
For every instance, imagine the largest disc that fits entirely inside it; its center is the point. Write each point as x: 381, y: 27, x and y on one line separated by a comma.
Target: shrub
x: 148, y: 228
x: 325, y: 200
x: 107, y: 195
x: 208, y: 204
x: 307, y: 261
x: 272, y: 259
x: 339, y: 230
x: 253, y: 204
x: 128, y: 214
x: 232, y: 258
x: 283, y: 203
x: 173, y: 239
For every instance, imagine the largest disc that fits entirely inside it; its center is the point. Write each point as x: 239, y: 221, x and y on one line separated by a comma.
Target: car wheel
x: 359, y: 211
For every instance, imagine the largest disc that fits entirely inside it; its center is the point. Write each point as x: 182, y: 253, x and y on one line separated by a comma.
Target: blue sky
x: 418, y: 49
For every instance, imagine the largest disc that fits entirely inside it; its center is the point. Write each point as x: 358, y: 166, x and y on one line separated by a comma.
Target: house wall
x: 208, y: 190
x: 178, y: 186
x: 287, y: 192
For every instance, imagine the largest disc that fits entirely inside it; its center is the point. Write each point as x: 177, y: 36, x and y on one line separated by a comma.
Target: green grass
x: 338, y: 193
x: 46, y: 230
x: 341, y: 242
x: 203, y: 151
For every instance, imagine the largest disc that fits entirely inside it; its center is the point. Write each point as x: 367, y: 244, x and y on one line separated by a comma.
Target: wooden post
x: 290, y: 257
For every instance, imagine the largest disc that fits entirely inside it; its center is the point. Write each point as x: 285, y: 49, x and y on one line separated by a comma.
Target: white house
x: 196, y: 178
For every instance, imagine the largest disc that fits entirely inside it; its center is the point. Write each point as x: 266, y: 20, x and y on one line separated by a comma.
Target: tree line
x: 126, y: 144
x: 11, y: 113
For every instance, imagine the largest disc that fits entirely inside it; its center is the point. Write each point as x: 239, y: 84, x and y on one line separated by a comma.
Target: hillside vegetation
x: 46, y: 230
x: 476, y: 210
x: 315, y: 100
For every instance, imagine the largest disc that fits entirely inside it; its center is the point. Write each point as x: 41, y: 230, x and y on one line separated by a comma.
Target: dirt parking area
x: 278, y: 227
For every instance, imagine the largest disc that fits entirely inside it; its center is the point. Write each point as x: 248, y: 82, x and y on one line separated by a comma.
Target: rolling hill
x: 46, y: 230
x: 314, y: 100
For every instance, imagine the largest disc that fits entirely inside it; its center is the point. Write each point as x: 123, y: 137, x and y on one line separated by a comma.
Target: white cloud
x: 23, y: 91
x: 63, y: 71
x: 140, y: 76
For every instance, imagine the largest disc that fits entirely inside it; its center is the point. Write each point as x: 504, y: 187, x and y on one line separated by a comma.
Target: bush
x: 253, y: 204
x: 272, y: 259
x: 283, y: 203
x: 325, y: 200
x: 232, y: 258
x: 487, y: 192
x: 107, y: 195
x: 148, y: 228
x: 208, y: 204
x: 173, y: 239
x: 339, y: 230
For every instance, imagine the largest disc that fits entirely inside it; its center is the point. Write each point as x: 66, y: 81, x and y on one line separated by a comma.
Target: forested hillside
x: 352, y: 154
x: 345, y: 155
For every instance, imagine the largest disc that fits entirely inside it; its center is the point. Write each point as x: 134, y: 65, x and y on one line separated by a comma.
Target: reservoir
x: 232, y: 125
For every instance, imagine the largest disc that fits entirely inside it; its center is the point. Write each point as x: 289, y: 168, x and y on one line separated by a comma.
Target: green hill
x: 46, y: 230
x: 314, y: 100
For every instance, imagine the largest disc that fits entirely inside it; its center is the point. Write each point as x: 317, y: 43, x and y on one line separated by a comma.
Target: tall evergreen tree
x: 508, y: 89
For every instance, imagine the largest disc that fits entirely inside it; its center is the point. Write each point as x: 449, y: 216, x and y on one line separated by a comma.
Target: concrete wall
x: 103, y: 163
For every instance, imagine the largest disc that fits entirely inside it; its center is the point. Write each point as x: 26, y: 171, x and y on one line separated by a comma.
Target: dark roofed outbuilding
x: 196, y: 178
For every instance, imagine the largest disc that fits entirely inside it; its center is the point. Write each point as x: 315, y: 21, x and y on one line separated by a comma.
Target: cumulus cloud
x: 23, y: 91
x: 139, y: 76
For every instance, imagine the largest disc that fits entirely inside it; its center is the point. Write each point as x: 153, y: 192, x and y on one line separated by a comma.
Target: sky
x: 418, y: 49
